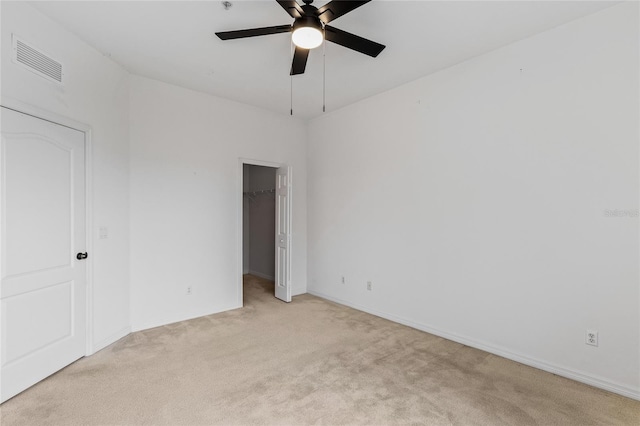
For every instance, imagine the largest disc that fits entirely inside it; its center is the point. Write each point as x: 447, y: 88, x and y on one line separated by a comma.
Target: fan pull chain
x: 324, y: 69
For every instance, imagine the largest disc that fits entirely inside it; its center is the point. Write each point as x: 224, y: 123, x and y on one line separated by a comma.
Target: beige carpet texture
x: 307, y: 362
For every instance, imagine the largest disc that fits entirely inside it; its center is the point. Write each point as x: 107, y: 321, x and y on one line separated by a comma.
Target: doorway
x: 265, y: 230
x: 259, y: 221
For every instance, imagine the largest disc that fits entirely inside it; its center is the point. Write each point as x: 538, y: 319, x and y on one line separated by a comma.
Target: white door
x: 283, y: 234
x: 43, y: 284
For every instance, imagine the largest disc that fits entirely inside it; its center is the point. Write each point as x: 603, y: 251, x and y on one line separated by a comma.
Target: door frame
x: 61, y: 120
x: 239, y: 269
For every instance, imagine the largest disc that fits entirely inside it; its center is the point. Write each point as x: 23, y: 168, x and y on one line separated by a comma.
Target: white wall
x: 185, y: 197
x: 95, y: 92
x: 474, y: 200
x: 262, y: 218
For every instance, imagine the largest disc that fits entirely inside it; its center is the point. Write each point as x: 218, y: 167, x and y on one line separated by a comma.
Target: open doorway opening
x: 259, y: 228
x: 266, y: 213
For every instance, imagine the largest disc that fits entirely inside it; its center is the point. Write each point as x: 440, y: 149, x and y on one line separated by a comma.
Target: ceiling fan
x: 310, y: 29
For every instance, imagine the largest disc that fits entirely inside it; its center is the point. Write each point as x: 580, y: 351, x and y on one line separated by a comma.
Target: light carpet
x: 307, y: 362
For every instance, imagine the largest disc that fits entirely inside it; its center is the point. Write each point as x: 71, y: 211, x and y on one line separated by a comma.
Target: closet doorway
x: 266, y: 226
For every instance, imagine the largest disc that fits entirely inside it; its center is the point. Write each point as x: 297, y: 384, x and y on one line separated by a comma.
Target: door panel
x: 53, y: 319
x: 283, y: 234
x: 43, y: 285
x: 37, y: 241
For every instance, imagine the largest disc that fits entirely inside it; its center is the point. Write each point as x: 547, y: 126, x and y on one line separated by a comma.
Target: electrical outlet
x: 591, y: 337
x: 189, y: 291
x: 369, y: 285
x: 343, y: 280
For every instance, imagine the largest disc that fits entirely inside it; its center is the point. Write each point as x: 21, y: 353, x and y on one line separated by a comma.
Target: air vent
x: 36, y: 61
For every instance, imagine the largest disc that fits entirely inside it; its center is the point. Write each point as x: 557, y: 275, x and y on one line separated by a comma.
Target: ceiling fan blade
x: 253, y: 32
x: 292, y: 7
x: 353, y: 41
x: 336, y: 8
x: 299, y: 61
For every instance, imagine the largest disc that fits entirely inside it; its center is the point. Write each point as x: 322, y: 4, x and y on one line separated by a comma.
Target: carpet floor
x: 307, y: 362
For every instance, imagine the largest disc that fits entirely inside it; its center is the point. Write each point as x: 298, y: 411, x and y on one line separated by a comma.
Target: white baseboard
x: 578, y: 376
x: 111, y: 339
x: 298, y: 292
x: 261, y: 275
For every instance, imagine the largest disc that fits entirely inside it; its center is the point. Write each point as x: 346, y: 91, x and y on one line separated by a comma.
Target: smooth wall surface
x: 94, y: 92
x: 495, y: 202
x: 186, y: 217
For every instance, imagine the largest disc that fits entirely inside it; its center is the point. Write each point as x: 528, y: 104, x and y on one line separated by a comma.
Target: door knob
x: 81, y: 256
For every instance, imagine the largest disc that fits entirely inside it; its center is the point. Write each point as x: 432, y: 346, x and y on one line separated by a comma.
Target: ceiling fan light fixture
x: 307, y: 33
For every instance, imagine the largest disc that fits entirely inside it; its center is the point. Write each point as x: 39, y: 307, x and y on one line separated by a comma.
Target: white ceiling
x: 174, y: 42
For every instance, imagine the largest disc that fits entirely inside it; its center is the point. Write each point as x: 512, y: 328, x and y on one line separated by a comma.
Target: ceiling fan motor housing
x: 306, y: 22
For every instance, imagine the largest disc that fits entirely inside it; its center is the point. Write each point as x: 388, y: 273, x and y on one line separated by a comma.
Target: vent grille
x: 37, y: 61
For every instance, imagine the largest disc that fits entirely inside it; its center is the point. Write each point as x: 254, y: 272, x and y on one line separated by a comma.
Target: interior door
x: 283, y: 234
x: 42, y: 271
